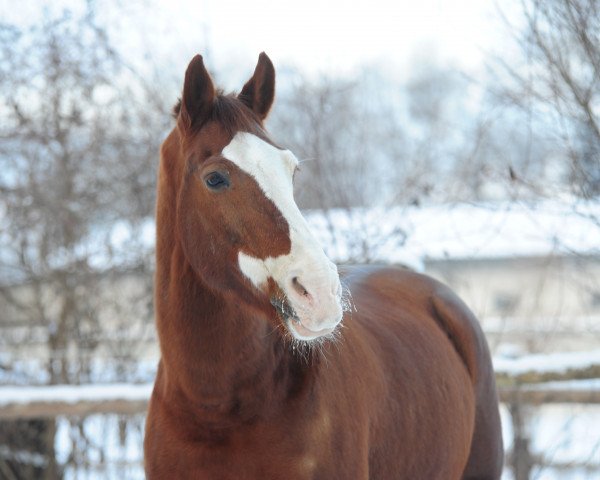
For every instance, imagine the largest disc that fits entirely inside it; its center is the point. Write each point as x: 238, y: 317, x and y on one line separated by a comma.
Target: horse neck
x: 220, y: 356
x: 220, y: 360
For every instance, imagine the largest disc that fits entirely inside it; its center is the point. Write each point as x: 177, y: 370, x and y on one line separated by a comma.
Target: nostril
x: 298, y: 287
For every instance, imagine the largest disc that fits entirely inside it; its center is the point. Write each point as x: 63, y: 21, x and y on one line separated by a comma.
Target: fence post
x: 521, y: 460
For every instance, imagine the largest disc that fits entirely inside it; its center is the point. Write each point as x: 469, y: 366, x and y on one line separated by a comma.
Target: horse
x: 265, y: 373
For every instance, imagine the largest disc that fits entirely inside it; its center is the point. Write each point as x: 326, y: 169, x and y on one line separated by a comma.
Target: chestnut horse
x: 263, y: 374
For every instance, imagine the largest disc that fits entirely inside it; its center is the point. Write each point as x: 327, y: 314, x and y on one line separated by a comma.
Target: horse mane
x: 229, y: 111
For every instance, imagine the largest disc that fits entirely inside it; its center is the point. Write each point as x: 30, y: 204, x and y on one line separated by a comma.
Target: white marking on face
x: 319, y: 311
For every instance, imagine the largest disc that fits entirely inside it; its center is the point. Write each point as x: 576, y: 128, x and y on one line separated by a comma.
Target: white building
x: 530, y: 272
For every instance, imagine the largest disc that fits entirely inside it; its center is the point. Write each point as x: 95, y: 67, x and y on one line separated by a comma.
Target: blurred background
x: 460, y: 138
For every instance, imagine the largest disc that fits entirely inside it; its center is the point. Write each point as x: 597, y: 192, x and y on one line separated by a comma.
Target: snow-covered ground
x: 563, y: 435
x: 114, y: 448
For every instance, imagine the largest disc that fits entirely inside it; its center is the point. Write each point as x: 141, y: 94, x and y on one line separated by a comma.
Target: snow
x: 547, y: 363
x: 458, y: 231
x: 411, y: 235
x: 561, y: 435
x: 556, y: 363
x: 591, y: 384
x: 539, y: 363
x: 407, y: 235
x: 74, y: 393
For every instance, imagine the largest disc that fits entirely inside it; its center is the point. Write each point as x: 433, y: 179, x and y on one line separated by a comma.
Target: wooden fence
x: 522, y: 383
x: 43, y: 402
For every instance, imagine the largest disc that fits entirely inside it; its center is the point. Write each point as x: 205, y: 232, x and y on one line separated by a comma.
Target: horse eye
x: 216, y: 181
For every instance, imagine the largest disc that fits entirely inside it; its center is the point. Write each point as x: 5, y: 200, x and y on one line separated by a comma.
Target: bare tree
x: 557, y: 82
x: 348, y: 139
x: 549, y: 85
x: 343, y: 141
x: 78, y: 140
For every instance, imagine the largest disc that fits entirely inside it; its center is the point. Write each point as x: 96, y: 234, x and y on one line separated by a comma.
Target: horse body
x: 248, y: 390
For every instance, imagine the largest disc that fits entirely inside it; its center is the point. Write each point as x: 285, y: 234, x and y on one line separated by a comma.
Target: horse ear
x: 198, y: 95
x: 259, y: 91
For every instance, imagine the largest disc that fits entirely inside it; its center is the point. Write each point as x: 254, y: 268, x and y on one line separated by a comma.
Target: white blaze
x: 273, y: 170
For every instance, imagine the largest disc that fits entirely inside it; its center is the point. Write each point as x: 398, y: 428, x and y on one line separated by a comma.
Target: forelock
x: 233, y: 115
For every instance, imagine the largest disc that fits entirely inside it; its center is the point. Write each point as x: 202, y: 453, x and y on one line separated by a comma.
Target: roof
x: 412, y: 235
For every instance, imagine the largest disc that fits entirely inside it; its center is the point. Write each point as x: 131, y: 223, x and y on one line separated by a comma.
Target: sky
x: 335, y: 36
x: 317, y: 36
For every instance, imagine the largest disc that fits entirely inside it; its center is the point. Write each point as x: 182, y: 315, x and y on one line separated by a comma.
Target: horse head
x: 240, y: 228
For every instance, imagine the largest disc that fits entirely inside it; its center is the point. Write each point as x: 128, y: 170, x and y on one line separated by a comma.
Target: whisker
x: 346, y: 300
x: 304, y: 160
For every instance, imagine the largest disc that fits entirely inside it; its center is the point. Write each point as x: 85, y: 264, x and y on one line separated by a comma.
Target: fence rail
x: 79, y: 400
x: 53, y: 401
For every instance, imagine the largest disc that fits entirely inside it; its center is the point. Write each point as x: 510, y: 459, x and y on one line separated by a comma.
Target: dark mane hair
x: 233, y: 115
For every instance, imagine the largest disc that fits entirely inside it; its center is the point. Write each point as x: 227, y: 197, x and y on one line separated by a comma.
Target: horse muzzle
x: 312, y: 307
